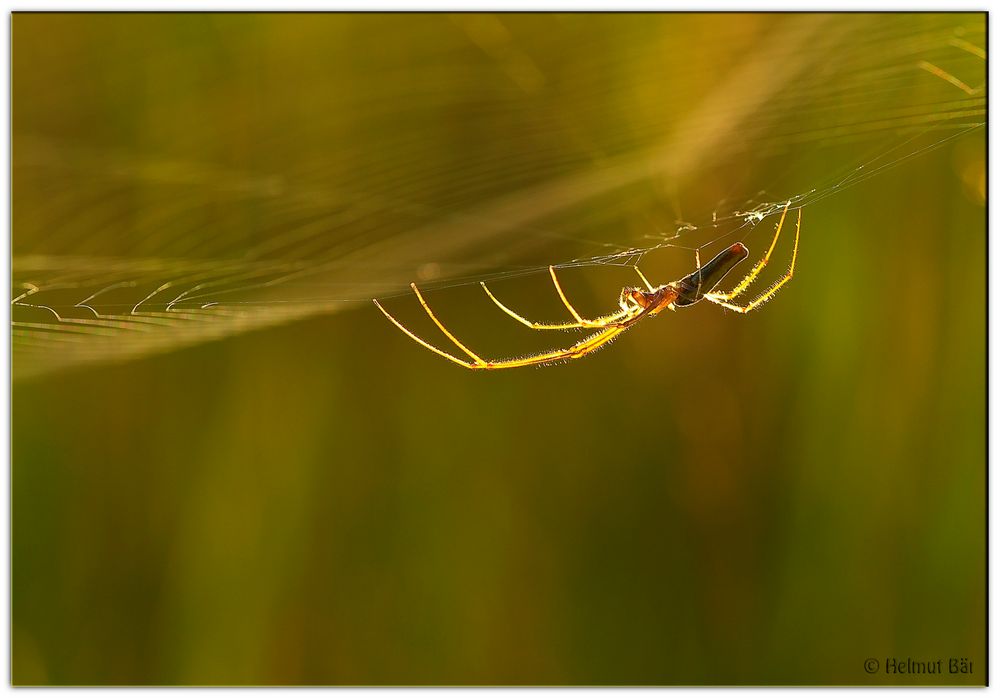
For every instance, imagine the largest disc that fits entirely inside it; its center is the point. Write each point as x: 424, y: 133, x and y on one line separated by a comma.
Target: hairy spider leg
x: 697, y: 266
x: 649, y: 286
x: 578, y: 350
x: 610, y: 325
x: 602, y: 321
x: 598, y: 322
x: 582, y: 348
x: 444, y: 329
x: 569, y: 306
x: 748, y: 279
x: 773, y: 288
x: 419, y: 341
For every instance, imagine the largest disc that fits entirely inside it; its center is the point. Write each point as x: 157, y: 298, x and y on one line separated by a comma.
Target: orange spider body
x: 692, y: 288
x: 634, y: 303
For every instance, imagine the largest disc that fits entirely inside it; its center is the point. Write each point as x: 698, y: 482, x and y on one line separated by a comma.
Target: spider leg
x: 421, y: 342
x: 578, y: 350
x: 649, y: 286
x: 748, y: 279
x: 585, y: 346
x: 535, y: 325
x: 603, y: 321
x: 582, y: 348
x: 444, y: 329
x: 773, y: 288
x: 697, y: 266
x: 581, y: 323
x: 569, y: 306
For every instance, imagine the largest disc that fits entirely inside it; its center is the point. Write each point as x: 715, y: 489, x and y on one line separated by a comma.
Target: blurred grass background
x: 714, y: 499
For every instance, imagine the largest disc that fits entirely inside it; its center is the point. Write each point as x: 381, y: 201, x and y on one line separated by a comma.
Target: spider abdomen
x: 695, y: 285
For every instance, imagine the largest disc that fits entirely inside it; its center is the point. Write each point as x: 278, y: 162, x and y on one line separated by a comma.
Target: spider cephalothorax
x: 632, y: 296
x: 635, y: 304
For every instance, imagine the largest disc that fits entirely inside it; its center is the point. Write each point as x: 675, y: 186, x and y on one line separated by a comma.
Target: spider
x: 634, y: 305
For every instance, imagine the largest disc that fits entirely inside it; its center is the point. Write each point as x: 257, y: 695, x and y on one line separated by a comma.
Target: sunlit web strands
x: 128, y: 253
x: 635, y: 304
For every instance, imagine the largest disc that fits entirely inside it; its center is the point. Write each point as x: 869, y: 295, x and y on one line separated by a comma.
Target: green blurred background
x: 282, y: 488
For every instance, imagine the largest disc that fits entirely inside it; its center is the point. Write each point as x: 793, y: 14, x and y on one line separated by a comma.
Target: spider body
x: 693, y: 287
x: 634, y: 305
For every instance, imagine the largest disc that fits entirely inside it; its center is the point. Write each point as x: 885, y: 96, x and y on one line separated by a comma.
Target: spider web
x: 120, y: 251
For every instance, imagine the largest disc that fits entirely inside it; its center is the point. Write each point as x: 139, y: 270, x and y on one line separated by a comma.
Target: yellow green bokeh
x: 302, y: 495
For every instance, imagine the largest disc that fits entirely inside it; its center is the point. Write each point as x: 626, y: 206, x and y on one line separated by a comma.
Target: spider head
x: 632, y: 297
